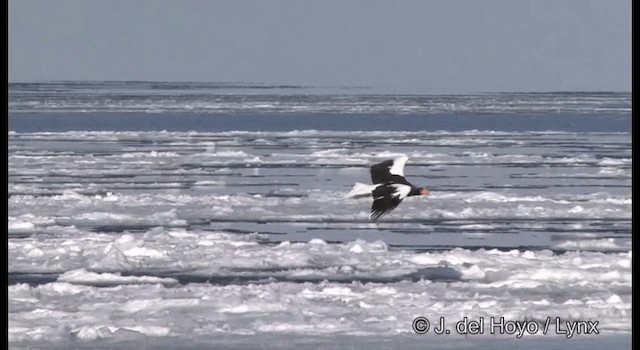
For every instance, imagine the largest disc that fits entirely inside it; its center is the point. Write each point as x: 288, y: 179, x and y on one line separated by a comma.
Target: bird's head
x: 424, y: 191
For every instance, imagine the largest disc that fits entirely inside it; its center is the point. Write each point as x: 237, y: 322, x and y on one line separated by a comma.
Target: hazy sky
x: 441, y: 46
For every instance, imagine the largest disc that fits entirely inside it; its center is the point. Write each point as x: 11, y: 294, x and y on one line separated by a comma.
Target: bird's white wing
x: 401, y: 191
x: 398, y: 166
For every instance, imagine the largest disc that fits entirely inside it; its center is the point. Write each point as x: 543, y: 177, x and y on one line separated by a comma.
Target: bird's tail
x: 360, y: 190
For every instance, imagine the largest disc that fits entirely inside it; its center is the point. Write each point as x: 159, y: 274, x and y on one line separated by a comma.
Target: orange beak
x: 424, y: 191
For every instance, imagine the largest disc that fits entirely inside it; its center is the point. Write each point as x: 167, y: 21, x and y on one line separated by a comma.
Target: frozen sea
x: 212, y: 215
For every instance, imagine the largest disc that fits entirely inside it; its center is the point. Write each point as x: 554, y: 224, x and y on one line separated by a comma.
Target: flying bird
x: 389, y: 187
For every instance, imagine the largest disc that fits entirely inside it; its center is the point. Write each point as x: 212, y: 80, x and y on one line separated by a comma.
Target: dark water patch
x: 22, y: 234
x: 295, y: 341
x: 520, y: 248
x: 32, y: 279
x: 119, y: 228
x: 136, y: 121
x: 260, y: 276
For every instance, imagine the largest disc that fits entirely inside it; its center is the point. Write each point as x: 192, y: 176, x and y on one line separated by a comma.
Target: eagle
x: 389, y: 187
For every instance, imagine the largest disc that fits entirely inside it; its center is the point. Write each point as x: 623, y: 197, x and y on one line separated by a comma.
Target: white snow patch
x: 82, y: 276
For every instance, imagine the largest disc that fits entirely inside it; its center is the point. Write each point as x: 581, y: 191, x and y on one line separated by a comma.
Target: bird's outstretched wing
x: 388, y: 171
x: 386, y: 198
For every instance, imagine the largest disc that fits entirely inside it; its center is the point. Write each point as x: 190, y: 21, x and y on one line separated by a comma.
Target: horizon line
x: 240, y: 84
